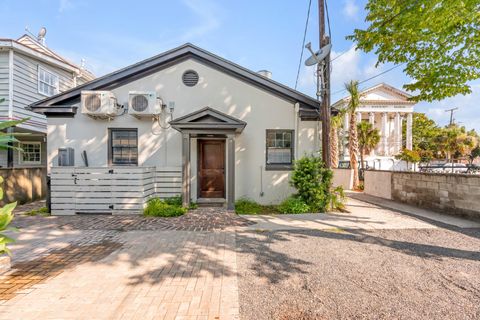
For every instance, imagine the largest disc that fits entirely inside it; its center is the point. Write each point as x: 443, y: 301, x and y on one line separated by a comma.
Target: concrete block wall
x: 455, y: 194
x: 23, y: 184
x: 343, y: 178
x: 378, y: 183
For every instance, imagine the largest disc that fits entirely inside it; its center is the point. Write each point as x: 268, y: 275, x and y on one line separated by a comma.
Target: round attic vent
x: 93, y: 102
x: 190, y: 78
x: 139, y: 103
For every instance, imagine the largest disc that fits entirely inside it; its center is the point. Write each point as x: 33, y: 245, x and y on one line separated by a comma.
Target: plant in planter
x: 7, y: 141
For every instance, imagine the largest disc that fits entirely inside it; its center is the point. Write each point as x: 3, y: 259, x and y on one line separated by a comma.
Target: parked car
x: 451, y: 167
x: 473, y: 169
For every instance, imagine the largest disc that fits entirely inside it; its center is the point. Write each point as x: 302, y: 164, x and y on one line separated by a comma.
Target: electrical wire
x: 373, y: 77
x: 328, y: 21
x: 303, y: 43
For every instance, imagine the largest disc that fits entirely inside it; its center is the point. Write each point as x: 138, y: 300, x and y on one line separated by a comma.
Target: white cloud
x: 65, y: 5
x: 208, y: 15
x: 468, y: 113
x: 345, y: 68
x: 351, y: 9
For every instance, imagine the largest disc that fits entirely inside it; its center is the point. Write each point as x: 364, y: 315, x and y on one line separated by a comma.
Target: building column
x: 344, y: 137
x: 371, y: 119
x: 384, y: 135
x: 231, y: 172
x: 359, y: 117
x: 398, y: 133
x: 186, y: 169
x: 346, y: 123
x: 409, y: 131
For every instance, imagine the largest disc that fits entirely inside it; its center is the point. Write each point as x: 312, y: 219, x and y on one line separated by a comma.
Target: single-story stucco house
x: 221, y: 131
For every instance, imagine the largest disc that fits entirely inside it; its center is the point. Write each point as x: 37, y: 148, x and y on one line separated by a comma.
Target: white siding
x: 162, y: 147
x: 4, y: 83
x: 25, y: 88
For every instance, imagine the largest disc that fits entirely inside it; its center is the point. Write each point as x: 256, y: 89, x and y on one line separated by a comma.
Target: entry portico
x: 214, y: 133
x: 385, y: 108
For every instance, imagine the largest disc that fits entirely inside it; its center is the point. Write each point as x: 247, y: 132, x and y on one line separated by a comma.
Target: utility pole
x: 451, y: 114
x: 323, y: 72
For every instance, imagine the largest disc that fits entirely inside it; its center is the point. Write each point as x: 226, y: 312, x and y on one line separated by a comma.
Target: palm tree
x: 335, y: 124
x: 368, y: 139
x: 352, y: 106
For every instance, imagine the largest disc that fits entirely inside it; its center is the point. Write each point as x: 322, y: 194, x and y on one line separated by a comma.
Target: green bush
x: 43, y: 211
x: 247, y: 206
x: 157, y: 207
x: 293, y: 205
x: 174, y: 201
x: 338, y: 199
x: 313, y: 182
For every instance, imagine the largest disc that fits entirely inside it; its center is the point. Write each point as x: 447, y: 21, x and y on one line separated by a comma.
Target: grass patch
x: 247, y: 206
x: 43, y: 211
x: 293, y: 205
x: 170, y: 207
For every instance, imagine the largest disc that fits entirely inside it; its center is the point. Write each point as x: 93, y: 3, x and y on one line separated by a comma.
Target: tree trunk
x: 361, y: 159
x: 334, y: 146
x: 353, y: 148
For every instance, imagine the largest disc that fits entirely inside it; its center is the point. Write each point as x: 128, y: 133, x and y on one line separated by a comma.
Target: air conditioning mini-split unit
x: 144, y: 104
x: 101, y: 104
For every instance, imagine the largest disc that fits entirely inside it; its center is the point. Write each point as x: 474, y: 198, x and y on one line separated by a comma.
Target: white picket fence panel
x: 111, y: 190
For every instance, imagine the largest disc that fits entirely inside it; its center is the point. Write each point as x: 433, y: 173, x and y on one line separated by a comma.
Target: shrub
x: 174, y: 201
x: 247, y: 206
x: 313, y: 182
x: 43, y: 211
x: 337, y: 199
x: 157, y: 207
x: 293, y: 205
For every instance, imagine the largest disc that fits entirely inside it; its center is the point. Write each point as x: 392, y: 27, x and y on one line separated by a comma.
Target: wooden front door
x: 211, y: 168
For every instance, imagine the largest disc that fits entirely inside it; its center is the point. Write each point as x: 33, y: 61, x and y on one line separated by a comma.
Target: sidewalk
x: 424, y: 214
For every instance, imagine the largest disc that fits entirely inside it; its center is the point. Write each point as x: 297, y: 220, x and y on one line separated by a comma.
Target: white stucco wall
x: 162, y: 147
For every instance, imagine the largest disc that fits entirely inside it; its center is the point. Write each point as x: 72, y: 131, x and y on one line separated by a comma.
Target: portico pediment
x: 208, y: 119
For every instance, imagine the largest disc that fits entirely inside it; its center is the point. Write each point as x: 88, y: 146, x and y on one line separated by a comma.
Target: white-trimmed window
x: 47, y: 82
x: 279, y: 149
x: 31, y: 152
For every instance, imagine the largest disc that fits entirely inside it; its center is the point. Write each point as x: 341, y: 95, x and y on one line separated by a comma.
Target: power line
x: 375, y: 76
x: 328, y: 21
x: 303, y: 43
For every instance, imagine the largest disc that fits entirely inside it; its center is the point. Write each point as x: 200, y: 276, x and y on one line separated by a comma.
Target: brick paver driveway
x: 123, y: 268
x: 210, y: 264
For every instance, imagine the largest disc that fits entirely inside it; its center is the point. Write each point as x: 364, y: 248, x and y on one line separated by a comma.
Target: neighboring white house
x: 386, y: 108
x: 29, y: 71
x: 183, y: 122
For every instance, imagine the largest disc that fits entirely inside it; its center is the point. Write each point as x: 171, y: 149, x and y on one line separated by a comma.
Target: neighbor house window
x: 279, y: 149
x: 123, y: 147
x: 47, y: 82
x: 30, y: 153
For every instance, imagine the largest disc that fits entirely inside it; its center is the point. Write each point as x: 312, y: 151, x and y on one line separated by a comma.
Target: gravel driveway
x: 376, y: 274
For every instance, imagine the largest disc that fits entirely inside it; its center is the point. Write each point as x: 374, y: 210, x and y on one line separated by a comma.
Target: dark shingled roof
x: 61, y: 104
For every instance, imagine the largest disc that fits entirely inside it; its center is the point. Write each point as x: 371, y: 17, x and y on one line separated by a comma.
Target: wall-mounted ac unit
x: 99, y: 103
x: 144, y: 104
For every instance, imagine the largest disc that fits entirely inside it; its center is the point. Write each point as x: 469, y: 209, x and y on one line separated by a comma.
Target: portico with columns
x: 386, y: 108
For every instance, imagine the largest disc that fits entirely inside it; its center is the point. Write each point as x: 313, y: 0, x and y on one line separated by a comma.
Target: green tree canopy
x: 438, y: 40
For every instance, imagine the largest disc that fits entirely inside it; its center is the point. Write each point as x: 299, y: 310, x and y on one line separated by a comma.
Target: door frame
x: 200, y: 140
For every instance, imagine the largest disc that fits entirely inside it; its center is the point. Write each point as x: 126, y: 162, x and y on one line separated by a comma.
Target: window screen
x: 47, y: 82
x: 31, y: 152
x: 124, y: 146
x: 279, y: 146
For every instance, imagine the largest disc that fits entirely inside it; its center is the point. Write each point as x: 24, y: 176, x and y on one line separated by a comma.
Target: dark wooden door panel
x: 211, y: 168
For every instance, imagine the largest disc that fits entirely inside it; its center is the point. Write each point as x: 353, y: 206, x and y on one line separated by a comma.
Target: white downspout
x: 296, y: 117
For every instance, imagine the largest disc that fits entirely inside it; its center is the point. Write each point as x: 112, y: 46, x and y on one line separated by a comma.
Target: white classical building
x: 385, y: 107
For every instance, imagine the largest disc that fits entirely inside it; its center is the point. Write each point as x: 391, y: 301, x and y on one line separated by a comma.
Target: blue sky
x: 264, y: 34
